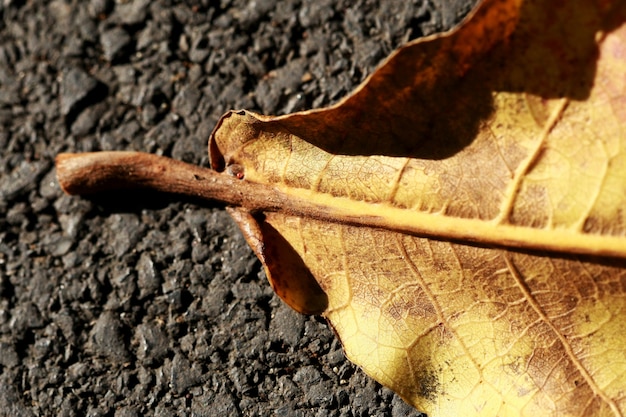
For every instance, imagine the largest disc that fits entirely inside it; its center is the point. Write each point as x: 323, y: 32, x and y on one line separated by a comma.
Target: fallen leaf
x: 464, y: 230
x: 459, y: 219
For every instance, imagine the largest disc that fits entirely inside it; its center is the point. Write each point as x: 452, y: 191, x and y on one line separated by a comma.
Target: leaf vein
x: 396, y: 181
x: 431, y: 297
x: 316, y: 183
x: 566, y: 346
x: 528, y: 163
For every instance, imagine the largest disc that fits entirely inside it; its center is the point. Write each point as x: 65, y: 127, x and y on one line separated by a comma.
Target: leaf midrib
x: 321, y: 206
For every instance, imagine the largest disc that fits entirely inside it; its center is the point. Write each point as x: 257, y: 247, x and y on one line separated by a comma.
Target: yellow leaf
x: 463, y: 221
x: 459, y: 219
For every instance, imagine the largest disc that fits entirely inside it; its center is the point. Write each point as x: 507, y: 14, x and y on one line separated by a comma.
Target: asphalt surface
x: 137, y: 304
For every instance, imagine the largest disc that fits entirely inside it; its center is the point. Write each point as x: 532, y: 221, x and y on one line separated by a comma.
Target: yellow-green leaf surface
x: 467, y: 238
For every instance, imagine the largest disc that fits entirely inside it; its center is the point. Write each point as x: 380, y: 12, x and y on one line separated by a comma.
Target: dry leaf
x: 459, y: 219
x: 486, y: 170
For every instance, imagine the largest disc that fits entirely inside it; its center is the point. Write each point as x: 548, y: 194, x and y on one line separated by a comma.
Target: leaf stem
x: 94, y: 172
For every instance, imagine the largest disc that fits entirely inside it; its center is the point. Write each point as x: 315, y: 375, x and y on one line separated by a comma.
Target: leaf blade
x: 478, y: 269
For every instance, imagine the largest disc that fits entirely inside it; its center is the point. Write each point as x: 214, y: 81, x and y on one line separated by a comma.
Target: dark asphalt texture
x: 137, y: 304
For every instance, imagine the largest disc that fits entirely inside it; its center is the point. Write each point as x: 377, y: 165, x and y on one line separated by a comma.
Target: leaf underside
x: 491, y: 164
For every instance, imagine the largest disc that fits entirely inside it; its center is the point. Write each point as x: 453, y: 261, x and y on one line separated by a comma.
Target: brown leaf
x: 462, y: 212
x: 459, y: 219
